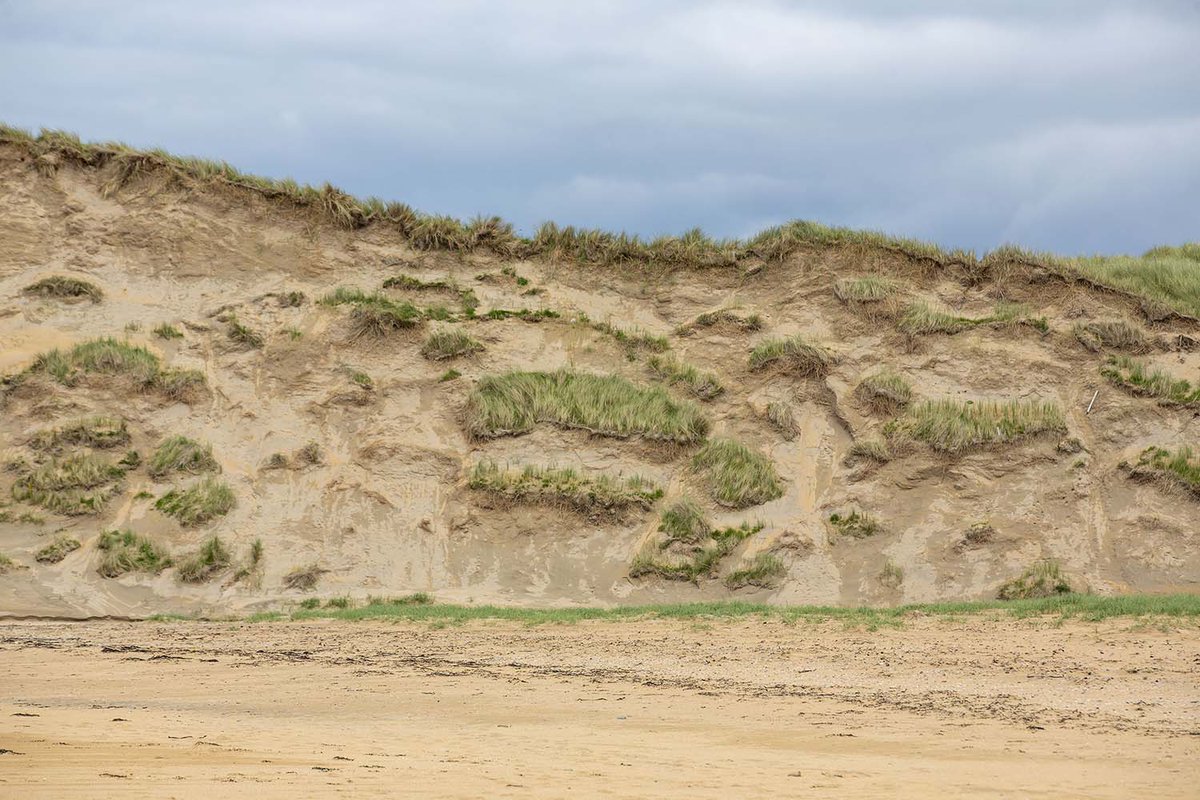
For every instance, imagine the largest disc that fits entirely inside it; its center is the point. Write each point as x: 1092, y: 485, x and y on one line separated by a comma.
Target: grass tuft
x: 876, y: 450
x: 763, y: 571
x: 953, y: 426
x: 1117, y: 334
x: 114, y: 358
x: 1181, y: 466
x: 683, y: 521
x: 244, y: 335
x: 793, y: 354
x: 703, y: 560
x: 212, y: 557
x: 514, y: 402
x: 884, y: 392
x: 703, y: 384
x: 374, y: 314
x: 78, y: 484
x: 602, y: 495
x: 168, y: 332
x: 449, y: 343
x: 304, y: 578
x: 1043, y: 579
x: 737, y: 476
x: 58, y: 286
x: 126, y: 551
x: 199, y: 503
x: 57, y: 550
x: 857, y: 524
x: 101, y: 433
x: 867, y: 289
x: 633, y: 340
x: 1139, y: 378
x: 181, y: 454
x: 722, y: 319
x: 782, y: 417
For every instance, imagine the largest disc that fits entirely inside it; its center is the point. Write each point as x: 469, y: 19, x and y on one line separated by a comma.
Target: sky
x: 1063, y: 125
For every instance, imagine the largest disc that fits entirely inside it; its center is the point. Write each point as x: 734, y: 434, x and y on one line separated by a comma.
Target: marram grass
x: 1139, y: 378
x: 181, y: 454
x: 794, y: 354
x: 702, y: 383
x: 565, y: 487
x: 737, y: 476
x: 204, y: 500
x: 953, y: 426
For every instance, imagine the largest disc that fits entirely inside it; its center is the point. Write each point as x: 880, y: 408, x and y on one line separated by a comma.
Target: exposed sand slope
x: 387, y: 511
x: 642, y: 709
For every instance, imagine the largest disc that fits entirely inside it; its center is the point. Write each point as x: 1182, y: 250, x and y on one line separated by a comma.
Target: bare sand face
x: 975, y: 708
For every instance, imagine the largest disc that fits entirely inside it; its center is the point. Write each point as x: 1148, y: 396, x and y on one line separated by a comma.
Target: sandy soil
x: 647, y: 709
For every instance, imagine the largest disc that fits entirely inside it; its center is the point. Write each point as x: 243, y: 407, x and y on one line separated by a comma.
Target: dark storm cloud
x: 1071, y: 126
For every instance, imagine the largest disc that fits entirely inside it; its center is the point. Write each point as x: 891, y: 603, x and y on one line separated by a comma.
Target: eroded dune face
x: 755, y: 453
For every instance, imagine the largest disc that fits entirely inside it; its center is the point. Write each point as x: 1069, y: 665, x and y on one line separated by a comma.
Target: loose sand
x: 640, y: 709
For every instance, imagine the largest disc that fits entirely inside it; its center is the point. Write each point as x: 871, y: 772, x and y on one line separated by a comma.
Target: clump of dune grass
x: 922, y: 317
x: 118, y: 359
x: 598, y: 495
x: 181, y: 454
x: 252, y: 567
x: 292, y: 299
x: 211, y: 557
x: 875, y: 450
x: 763, y: 571
x: 976, y: 534
x: 782, y: 417
x: 374, y: 314
x: 1167, y: 276
x: 683, y: 521
x: 1117, y: 334
x: 722, y: 319
x: 126, y: 551
x: 514, y: 402
x: 523, y: 314
x: 1180, y: 466
x: 702, y: 558
x: 884, y: 392
x: 793, y: 354
x: 857, y: 524
x: 244, y: 335
x: 75, y: 485
x: 57, y: 550
x: 101, y: 433
x: 701, y: 383
x: 952, y: 426
x: 891, y: 575
x: 449, y: 375
x: 449, y: 343
x: 1043, y: 579
x: 7, y: 564
x: 59, y: 287
x: 1139, y: 378
x: 867, y: 289
x: 304, y: 578
x: 466, y: 297
x: 633, y: 340
x: 199, y: 503
x: 310, y: 455
x: 737, y: 476
x: 167, y: 331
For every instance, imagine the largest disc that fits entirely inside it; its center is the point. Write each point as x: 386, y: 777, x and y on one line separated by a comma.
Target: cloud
x: 972, y: 124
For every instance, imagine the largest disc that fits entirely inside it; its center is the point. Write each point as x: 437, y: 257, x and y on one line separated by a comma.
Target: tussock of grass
x: 466, y: 297
x: 374, y: 314
x: 78, y: 484
x: 1139, y: 378
x: 1043, y: 579
x: 119, y: 359
x: 702, y: 561
x: 1166, y: 276
x: 244, y: 335
x: 763, y: 571
x: 884, y: 392
x: 876, y: 450
x: 683, y: 521
x: 168, y: 332
x: 922, y: 317
x: 126, y: 551
x: 101, y: 433
x: 793, y: 354
x: 449, y: 375
x: 199, y: 503
x: 564, y: 487
x: 7, y: 564
x: 633, y: 340
x: 1118, y: 334
x: 57, y: 550
x: 952, y: 426
x: 857, y: 524
x: 449, y: 343
x: 212, y: 557
x: 304, y: 578
x: 701, y: 383
x: 59, y: 286
x: 781, y: 416
x: 1181, y: 466
x: 867, y: 289
x: 514, y: 402
x: 181, y: 454
x: 737, y: 476
x: 892, y: 575
x: 523, y: 314
x: 722, y: 319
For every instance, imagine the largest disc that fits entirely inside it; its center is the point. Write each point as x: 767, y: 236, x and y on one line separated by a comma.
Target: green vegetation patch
x: 884, y: 392
x: 449, y: 343
x: 304, y: 577
x: 167, y: 331
x: 374, y: 314
x: 558, y: 486
x: 780, y: 415
x: 58, y: 286
x: 125, y: 551
x: 953, y: 426
x: 1043, y: 579
x: 867, y: 289
x: 683, y: 521
x: 514, y: 402
x: 701, y: 383
x: 181, y: 454
x: 702, y: 560
x: 722, y: 319
x: 633, y: 340
x: 119, y: 359
x: 199, y: 503
x: 875, y: 450
x: 1167, y: 276
x: 466, y: 297
x: 737, y: 476
x: 1139, y: 378
x: 794, y: 354
x: 212, y: 557
x: 923, y: 317
x: 857, y: 524
x: 244, y: 335
x: 7, y: 564
x: 57, y: 550
x: 101, y: 433
x: 1181, y: 466
x: 75, y: 485
x: 762, y: 571
x: 1116, y: 334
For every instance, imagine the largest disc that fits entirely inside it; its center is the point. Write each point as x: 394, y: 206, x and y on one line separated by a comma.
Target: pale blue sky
x: 1072, y: 126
